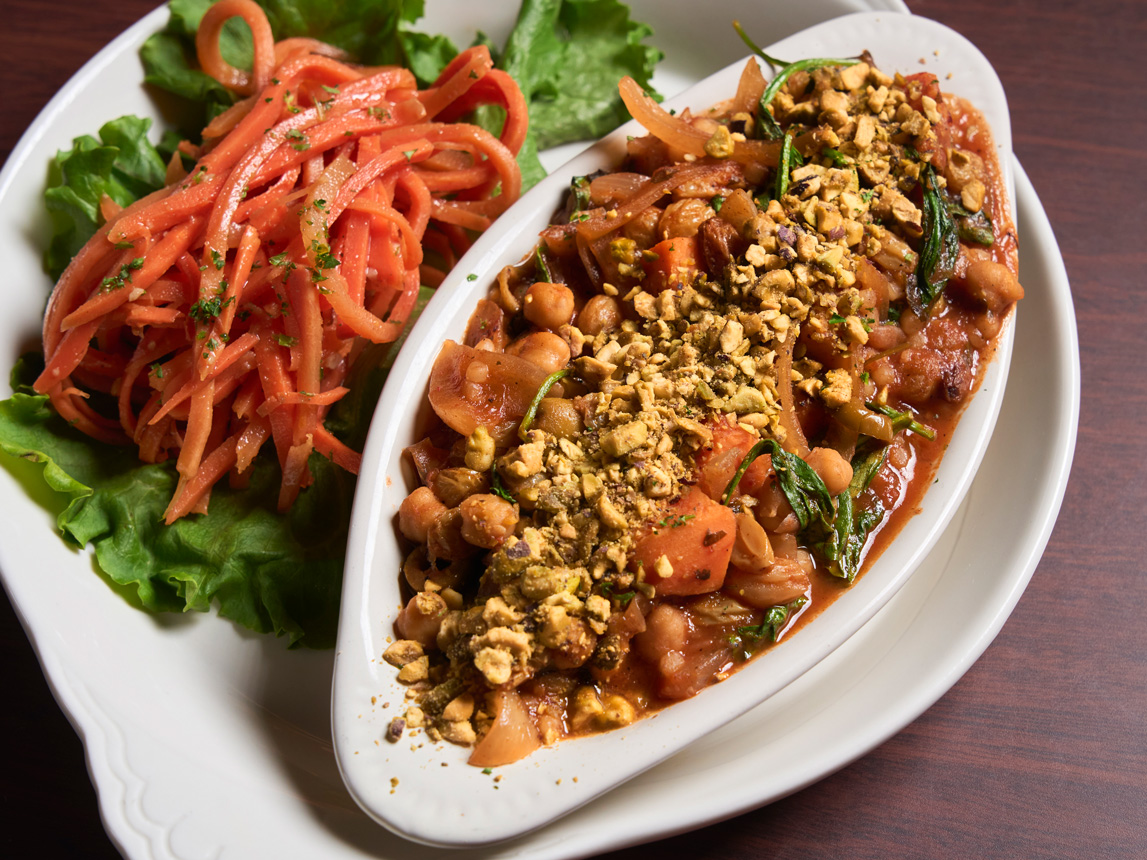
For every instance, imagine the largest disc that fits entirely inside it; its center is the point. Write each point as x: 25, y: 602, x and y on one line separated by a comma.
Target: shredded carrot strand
x: 225, y: 310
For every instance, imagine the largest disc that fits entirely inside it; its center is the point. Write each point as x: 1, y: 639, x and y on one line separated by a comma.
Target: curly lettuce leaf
x: 121, y: 163
x: 270, y: 572
x: 567, y: 56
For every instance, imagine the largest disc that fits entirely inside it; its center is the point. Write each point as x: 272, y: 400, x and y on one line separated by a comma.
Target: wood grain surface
x: 1040, y: 751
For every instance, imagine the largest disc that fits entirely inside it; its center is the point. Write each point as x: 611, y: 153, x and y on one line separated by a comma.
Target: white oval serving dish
x: 426, y: 792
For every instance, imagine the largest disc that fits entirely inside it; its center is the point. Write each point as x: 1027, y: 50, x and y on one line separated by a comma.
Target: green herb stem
x: 765, y: 120
x: 754, y: 452
x: 785, y: 166
x: 903, y: 421
x: 542, y: 268
x: 547, y: 384
x: 772, y: 61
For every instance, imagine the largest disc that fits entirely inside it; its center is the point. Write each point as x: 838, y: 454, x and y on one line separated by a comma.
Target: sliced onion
x: 749, y: 88
x: 683, y: 135
x: 613, y: 188
x: 795, y: 442
x: 511, y: 737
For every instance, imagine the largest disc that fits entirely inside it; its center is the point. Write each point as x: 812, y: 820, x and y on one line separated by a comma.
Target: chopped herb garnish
x: 286, y: 340
x: 496, y: 486
x: 205, y: 310
x: 302, y: 143
x: 118, y: 281
x: 623, y: 598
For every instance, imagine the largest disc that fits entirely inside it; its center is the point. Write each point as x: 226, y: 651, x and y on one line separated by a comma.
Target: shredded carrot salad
x: 225, y: 310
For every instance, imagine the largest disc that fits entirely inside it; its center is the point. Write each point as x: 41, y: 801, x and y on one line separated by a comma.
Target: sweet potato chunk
x: 688, y: 551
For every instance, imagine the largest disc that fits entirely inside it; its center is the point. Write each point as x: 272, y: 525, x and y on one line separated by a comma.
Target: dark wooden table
x: 1041, y: 749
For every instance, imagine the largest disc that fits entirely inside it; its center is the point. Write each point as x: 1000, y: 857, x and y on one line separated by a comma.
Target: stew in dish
x: 702, y: 406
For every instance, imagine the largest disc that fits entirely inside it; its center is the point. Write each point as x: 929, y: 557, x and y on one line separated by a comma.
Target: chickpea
x: 549, y: 306
x: 487, y: 520
x: 417, y: 514
x: 751, y: 550
x: 833, y: 469
x: 453, y: 485
x: 774, y: 511
x: 643, y: 228
x: 444, y: 540
x: 882, y: 372
x: 993, y: 284
x: 885, y: 336
x: 559, y: 417
x: 988, y: 325
x: 543, y: 349
x: 684, y: 218
x: 421, y: 618
x: 666, y: 629
x: 600, y: 313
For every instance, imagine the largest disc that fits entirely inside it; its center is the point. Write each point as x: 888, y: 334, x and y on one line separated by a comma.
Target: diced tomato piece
x: 921, y: 84
x: 677, y: 261
x: 717, y: 464
x: 696, y: 538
